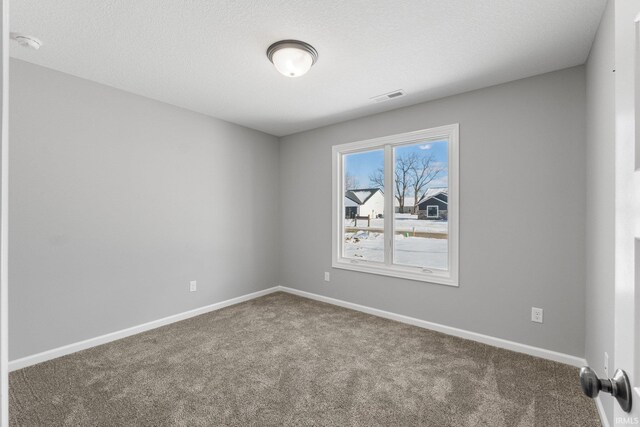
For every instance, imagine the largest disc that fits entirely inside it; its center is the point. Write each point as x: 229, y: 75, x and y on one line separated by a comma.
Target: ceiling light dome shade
x: 292, y: 58
x: 26, y: 41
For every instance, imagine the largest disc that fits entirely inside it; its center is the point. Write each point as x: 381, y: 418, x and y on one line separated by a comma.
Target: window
x: 395, y: 204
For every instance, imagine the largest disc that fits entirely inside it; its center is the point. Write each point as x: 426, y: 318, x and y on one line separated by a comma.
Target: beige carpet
x: 286, y: 360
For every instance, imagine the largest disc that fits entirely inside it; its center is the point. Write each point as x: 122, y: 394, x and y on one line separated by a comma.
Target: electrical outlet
x: 536, y: 314
x: 193, y: 286
x: 606, y: 364
x: 327, y: 276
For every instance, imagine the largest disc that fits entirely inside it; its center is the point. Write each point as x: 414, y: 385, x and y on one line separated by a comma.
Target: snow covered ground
x: 413, y: 251
x: 405, y: 223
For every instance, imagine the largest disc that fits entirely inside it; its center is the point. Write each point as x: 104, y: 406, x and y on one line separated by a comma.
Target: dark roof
x: 436, y: 193
x: 351, y: 194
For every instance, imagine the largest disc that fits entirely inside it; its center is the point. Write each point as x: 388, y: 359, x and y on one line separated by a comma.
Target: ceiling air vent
x: 387, y: 96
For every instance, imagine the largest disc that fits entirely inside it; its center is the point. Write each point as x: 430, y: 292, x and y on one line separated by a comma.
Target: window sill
x: 400, y: 272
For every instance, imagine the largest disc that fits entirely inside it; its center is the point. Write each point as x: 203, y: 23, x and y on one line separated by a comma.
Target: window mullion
x: 388, y: 203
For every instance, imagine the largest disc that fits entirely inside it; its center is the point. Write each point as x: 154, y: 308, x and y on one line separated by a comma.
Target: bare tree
x: 404, y: 166
x: 413, y: 173
x: 423, y: 171
x: 351, y: 182
x: 376, y: 179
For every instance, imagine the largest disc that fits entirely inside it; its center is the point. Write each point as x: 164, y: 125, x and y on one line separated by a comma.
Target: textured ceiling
x: 209, y: 56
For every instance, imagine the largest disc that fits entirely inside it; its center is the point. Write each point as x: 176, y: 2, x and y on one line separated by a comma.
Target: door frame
x: 4, y: 161
x: 627, y: 202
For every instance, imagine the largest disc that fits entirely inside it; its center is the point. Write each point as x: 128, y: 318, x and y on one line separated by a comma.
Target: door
x: 627, y: 206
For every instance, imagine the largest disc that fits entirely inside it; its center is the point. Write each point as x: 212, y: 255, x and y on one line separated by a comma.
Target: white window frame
x: 437, y: 211
x: 432, y: 275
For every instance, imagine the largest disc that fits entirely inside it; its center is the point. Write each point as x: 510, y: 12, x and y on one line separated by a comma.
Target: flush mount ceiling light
x: 292, y: 58
x: 26, y: 41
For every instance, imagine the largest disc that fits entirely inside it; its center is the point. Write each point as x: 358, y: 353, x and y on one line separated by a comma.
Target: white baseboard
x: 486, y: 339
x: 603, y: 415
x: 103, y: 339
x: 474, y: 336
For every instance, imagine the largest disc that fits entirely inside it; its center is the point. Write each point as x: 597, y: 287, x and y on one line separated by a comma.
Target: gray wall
x: 600, y: 179
x: 117, y: 201
x: 520, y: 142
